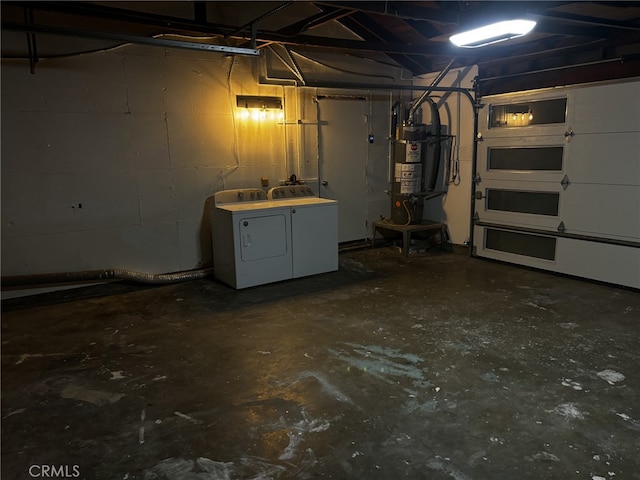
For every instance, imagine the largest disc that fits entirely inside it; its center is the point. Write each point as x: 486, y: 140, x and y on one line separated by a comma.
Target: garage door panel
x: 532, y: 159
x: 604, y: 108
x: 617, y: 264
x: 611, y: 158
x: 611, y: 211
x: 516, y: 247
x: 607, y: 263
x: 520, y: 203
x: 517, y: 115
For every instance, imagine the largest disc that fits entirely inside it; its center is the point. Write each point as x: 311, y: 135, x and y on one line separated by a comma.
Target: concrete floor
x: 435, y: 367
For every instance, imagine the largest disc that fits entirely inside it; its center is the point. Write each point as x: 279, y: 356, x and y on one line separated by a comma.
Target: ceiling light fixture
x: 493, y: 33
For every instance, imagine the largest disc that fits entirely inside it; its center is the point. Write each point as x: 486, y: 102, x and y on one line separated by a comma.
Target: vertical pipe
x: 426, y: 93
x: 285, y: 136
x: 393, y: 120
x: 437, y: 148
x: 300, y: 134
x: 474, y: 162
x: 321, y: 193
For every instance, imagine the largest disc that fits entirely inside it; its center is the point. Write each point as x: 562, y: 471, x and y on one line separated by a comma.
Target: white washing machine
x: 251, y: 238
x: 314, y: 229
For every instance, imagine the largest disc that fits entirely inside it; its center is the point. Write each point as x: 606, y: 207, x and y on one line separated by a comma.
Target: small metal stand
x: 406, y: 231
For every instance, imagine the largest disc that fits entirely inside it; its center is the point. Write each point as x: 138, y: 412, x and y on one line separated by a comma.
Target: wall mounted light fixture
x: 259, y: 108
x: 493, y: 33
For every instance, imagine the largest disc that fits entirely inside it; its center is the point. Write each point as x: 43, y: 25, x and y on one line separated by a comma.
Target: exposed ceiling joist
x: 369, y: 30
x: 569, y: 36
x: 327, y: 15
x: 120, y: 37
x: 403, y: 10
x: 593, y: 21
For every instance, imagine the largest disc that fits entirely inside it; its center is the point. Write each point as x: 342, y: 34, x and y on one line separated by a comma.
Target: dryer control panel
x: 290, y: 191
x: 240, y: 195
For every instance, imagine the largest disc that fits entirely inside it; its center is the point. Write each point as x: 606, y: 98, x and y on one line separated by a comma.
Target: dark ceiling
x: 572, y: 42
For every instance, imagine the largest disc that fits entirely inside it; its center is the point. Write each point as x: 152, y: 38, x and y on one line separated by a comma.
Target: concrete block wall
x: 109, y: 159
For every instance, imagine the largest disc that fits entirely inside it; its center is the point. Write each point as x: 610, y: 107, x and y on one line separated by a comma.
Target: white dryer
x: 251, y: 238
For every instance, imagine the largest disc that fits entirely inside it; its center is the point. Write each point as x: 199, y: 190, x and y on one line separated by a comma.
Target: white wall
x: 108, y: 159
x: 456, y: 112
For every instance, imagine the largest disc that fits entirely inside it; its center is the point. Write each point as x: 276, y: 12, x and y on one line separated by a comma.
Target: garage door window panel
x: 536, y: 246
x: 536, y: 203
x: 525, y: 114
x: 526, y: 159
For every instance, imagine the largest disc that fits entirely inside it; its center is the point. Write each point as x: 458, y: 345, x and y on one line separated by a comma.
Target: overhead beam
x: 363, y: 26
x: 253, y: 23
x: 587, y: 20
x: 404, y: 10
x: 424, y: 28
x: 413, y: 57
x: 562, y: 75
x: 326, y: 15
x: 180, y: 25
x: 158, y: 42
x: 83, y: 9
x: 555, y: 26
x: 561, y: 57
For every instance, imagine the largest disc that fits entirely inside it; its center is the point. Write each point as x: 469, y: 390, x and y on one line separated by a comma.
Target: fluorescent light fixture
x: 496, y: 32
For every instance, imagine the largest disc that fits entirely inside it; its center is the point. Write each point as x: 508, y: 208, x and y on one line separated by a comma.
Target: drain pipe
x: 101, y: 275
x: 428, y: 91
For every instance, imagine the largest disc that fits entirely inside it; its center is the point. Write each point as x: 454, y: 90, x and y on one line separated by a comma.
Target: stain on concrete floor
x: 436, y: 367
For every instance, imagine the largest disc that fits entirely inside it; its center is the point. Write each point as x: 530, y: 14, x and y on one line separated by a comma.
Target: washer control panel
x: 240, y: 195
x: 290, y: 191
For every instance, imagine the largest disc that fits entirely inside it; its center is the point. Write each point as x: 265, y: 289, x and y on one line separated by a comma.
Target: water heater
x: 410, y: 154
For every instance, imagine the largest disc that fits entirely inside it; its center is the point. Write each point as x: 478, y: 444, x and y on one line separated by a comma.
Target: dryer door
x: 263, y: 237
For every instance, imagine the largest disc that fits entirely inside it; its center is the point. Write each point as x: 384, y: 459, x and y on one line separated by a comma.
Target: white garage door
x: 558, y: 181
